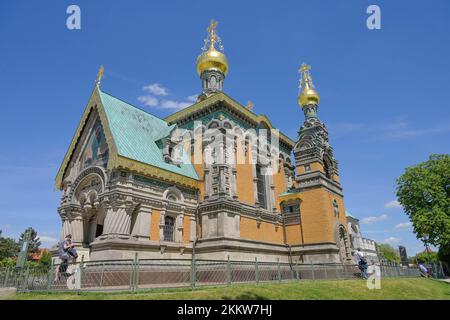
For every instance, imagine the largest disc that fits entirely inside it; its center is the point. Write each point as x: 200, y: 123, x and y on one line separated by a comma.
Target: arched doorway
x: 344, y: 244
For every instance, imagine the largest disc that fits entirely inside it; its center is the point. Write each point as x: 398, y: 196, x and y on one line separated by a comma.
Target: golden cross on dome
x: 305, y: 76
x: 100, y: 73
x: 212, y: 32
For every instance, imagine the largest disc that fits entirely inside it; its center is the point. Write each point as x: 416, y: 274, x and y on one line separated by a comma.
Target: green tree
x: 34, y: 243
x: 427, y: 257
x: 387, y: 252
x: 8, y: 247
x: 444, y: 255
x: 46, y: 259
x: 424, y: 192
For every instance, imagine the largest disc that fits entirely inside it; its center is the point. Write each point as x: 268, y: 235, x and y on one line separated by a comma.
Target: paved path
x: 5, y: 293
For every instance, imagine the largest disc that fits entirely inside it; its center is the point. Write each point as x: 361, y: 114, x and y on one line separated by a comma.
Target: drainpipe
x: 288, y: 247
x: 196, y: 226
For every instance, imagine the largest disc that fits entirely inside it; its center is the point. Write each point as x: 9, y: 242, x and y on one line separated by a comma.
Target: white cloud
x: 370, y: 220
x: 393, y: 204
x: 148, y: 100
x: 173, y: 105
x: 404, y: 225
x: 47, y: 241
x: 156, y: 89
x: 192, y: 98
x: 391, y: 241
x: 151, y: 100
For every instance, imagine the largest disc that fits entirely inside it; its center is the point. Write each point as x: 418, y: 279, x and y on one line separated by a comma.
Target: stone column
x: 208, y: 187
x: 118, y: 219
x: 142, y: 227
x: 233, y: 182
x: 255, y: 184
x: 162, y: 222
x: 76, y: 225
x: 65, y: 230
x: 192, y: 229
x: 179, y: 226
x: 72, y: 224
x: 271, y: 191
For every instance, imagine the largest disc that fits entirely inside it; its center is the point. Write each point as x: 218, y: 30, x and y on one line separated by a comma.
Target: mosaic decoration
x: 96, y: 152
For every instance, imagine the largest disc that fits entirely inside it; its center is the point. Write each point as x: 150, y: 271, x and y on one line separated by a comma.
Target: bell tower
x: 317, y: 177
x: 313, y: 151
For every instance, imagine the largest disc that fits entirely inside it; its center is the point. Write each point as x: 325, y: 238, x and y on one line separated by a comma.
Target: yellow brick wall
x: 199, y: 167
x: 154, y: 225
x: 186, y: 229
x: 316, y: 216
x: 266, y: 231
x: 294, y: 234
x: 279, y: 182
x: 315, y: 166
x: 244, y: 177
x: 342, y: 218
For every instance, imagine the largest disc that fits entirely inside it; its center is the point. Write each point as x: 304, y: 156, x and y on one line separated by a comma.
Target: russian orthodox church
x: 199, y: 183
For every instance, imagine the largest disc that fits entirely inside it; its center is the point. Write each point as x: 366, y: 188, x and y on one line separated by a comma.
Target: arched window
x: 343, y: 244
x: 335, y: 208
x: 261, y: 187
x: 328, y: 167
x: 169, y: 223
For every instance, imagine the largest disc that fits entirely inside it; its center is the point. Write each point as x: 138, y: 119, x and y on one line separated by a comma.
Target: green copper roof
x: 135, y: 133
x: 348, y: 214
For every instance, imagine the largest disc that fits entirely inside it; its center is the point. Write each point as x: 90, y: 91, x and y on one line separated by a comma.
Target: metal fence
x: 138, y: 274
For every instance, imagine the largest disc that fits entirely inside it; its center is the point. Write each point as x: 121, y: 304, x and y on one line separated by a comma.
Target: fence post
x: 133, y: 273
x: 103, y: 272
x: 138, y: 263
x: 325, y: 269
x: 193, y: 273
x: 25, y: 279
x: 312, y: 270
x: 50, y: 275
x: 81, y: 272
x: 5, y: 281
x: 279, y: 270
x: 228, y: 271
x: 256, y: 271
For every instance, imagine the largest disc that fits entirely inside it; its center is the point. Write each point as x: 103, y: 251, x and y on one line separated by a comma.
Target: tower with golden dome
x: 212, y: 64
x: 205, y: 182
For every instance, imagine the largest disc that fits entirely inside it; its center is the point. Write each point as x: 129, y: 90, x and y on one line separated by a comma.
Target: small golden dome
x: 212, y: 60
x: 308, y: 96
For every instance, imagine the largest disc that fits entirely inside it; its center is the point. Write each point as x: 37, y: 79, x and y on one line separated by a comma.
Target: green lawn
x: 411, y: 288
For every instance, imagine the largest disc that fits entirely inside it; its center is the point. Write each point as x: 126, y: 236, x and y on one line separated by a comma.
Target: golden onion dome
x: 308, y: 95
x: 212, y: 60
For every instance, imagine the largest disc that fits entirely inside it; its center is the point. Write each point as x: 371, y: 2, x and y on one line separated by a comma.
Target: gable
x: 136, y: 132
x: 123, y: 137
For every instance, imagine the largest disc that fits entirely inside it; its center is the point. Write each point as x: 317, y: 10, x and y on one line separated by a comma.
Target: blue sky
x: 384, y: 93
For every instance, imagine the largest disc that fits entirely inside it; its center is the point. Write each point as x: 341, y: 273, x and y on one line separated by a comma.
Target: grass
x: 391, y: 289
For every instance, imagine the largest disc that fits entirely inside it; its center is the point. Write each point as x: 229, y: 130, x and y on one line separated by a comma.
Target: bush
x: 7, y: 262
